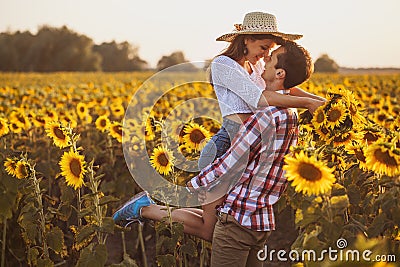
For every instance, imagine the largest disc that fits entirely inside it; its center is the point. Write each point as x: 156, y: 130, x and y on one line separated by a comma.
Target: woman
x: 236, y: 78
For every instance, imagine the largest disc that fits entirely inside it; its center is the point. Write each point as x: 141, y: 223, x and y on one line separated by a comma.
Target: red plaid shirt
x: 255, y: 164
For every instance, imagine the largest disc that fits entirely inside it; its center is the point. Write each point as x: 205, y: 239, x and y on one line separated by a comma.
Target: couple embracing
x: 255, y: 80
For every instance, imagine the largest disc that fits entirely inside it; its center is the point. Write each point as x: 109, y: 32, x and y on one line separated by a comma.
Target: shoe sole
x: 134, y: 198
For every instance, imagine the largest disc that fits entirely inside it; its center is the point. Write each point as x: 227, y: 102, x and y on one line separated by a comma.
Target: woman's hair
x: 236, y: 48
x: 297, y: 63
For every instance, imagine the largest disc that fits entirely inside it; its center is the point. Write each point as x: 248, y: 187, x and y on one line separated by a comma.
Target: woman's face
x: 256, y: 49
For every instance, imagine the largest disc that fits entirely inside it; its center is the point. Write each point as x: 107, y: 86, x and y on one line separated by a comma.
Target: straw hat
x: 258, y: 23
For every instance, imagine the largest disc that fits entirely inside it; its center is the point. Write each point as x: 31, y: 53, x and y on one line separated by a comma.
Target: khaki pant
x: 234, y: 245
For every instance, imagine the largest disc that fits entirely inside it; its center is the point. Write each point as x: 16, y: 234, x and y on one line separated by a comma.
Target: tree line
x: 61, y: 49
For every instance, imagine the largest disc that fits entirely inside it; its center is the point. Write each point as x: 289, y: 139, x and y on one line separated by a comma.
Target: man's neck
x: 274, y: 86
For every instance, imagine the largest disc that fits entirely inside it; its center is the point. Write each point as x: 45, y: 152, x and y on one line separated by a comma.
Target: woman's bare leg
x: 195, y: 221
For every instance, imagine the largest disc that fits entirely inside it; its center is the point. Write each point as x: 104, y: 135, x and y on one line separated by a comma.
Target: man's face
x: 269, y: 73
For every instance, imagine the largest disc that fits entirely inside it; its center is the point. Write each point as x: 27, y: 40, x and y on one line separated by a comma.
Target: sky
x: 354, y: 33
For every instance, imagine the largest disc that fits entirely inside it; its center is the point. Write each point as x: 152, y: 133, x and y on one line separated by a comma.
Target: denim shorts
x: 219, y: 143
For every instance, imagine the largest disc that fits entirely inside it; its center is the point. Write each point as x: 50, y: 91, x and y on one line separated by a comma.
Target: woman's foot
x: 130, y: 212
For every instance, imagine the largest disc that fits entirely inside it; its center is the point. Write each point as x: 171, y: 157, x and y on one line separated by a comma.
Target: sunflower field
x: 66, y: 143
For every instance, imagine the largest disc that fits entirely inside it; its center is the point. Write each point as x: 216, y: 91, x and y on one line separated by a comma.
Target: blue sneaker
x: 130, y: 212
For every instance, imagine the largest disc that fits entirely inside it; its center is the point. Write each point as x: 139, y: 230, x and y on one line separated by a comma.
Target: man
x: 246, y: 216
x: 255, y: 159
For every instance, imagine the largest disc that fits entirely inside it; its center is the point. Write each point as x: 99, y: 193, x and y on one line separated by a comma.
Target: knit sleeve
x: 229, y: 74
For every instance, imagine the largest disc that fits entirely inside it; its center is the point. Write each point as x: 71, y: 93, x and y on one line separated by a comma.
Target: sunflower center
x: 75, y: 167
x: 1, y: 126
x: 359, y: 155
x: 21, y: 118
x: 353, y: 109
x: 334, y: 115
x: 118, y: 129
x: 309, y: 172
x: 163, y: 160
x: 370, y: 137
x: 384, y: 157
x: 381, y: 117
x: 320, y: 117
x: 342, y: 138
x: 82, y: 109
x: 103, y: 123
x: 59, y: 133
x: 196, y: 136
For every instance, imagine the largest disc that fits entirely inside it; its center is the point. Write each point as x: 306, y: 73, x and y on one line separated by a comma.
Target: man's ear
x: 280, y: 73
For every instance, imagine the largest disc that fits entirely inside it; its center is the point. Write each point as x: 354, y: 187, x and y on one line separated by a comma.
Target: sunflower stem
x: 142, y: 247
x: 3, y: 242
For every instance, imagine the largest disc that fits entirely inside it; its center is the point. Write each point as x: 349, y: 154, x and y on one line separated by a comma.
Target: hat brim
x: 230, y: 36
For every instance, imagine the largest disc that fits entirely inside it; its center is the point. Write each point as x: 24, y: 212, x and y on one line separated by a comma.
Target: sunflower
x: 308, y: 175
x: 342, y: 139
x: 162, y: 160
x: 358, y: 152
x: 3, y: 127
x: 102, y: 123
x: 58, y: 133
x: 20, y: 119
x: 21, y: 170
x: 196, y: 136
x: 117, y: 110
x: 82, y: 110
x: 319, y: 117
x: 73, y: 168
x: 15, y: 128
x: 116, y: 130
x: 38, y: 120
x: 11, y: 165
x: 335, y: 115
x: 382, y: 160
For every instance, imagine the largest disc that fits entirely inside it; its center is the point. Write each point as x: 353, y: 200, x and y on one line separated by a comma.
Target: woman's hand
x: 314, y: 104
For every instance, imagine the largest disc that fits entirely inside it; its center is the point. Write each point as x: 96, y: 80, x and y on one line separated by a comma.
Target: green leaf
x: 108, y: 199
x: 108, y: 225
x: 55, y: 239
x: 189, y: 248
x: 84, y: 233
x: 46, y: 262
x: 93, y: 256
x: 166, y: 260
x: 377, y: 225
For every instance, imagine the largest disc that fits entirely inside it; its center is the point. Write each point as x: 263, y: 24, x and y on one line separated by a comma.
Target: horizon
x: 364, y: 34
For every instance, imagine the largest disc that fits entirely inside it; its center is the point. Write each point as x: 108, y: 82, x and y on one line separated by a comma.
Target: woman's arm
x: 272, y: 98
x: 296, y: 91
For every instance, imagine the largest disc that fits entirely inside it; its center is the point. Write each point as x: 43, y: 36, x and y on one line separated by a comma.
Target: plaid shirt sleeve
x: 245, y: 147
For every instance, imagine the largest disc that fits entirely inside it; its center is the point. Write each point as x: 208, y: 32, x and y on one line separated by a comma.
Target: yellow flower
x: 196, y: 136
x: 357, y: 150
x: 58, y: 133
x: 3, y: 127
x: 335, y: 115
x: 102, y: 123
x: 73, y: 168
x: 117, y: 110
x: 382, y: 160
x: 11, y: 165
x: 82, y: 110
x: 21, y: 170
x: 162, y: 160
x: 319, y: 117
x: 20, y: 119
x: 116, y: 130
x: 308, y: 175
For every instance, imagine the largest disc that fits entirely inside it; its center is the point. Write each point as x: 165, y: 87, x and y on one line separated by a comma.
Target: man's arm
x: 296, y: 91
x: 272, y: 98
x: 245, y: 146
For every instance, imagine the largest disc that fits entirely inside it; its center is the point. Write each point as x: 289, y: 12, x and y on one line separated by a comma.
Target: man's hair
x: 236, y: 48
x: 297, y: 63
